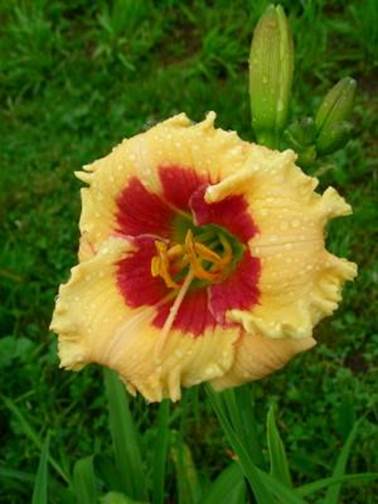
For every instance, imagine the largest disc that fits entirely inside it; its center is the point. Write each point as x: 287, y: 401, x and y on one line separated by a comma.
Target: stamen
x: 192, y: 253
x: 173, y: 313
x: 161, y: 248
x: 199, y: 271
x: 226, y: 258
x: 155, y: 266
x: 175, y: 251
x: 206, y: 252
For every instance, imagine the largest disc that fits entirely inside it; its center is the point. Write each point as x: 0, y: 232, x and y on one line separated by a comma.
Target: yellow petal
x: 300, y: 281
x: 258, y: 356
x: 174, y: 142
x: 95, y: 325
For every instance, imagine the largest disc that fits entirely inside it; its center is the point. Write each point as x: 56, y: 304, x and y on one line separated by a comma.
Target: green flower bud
x: 333, y: 130
x: 333, y: 138
x: 271, y: 73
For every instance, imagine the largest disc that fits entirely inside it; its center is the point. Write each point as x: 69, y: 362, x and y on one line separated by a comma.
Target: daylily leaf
x: 106, y: 470
x: 279, y: 467
x: 283, y: 494
x: 118, y: 498
x: 239, y: 406
x: 189, y: 490
x: 40, y: 485
x: 85, y: 481
x: 311, y: 488
x: 160, y: 454
x: 333, y: 493
x: 260, y: 490
x: 125, y: 438
x: 229, y: 486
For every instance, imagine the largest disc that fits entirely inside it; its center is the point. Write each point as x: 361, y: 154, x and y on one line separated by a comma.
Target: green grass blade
x: 311, y: 488
x: 33, y: 436
x: 245, y: 402
x: 251, y: 472
x: 20, y: 478
x: 279, y: 467
x: 40, y: 484
x: 106, y: 471
x: 118, y: 498
x: 333, y: 493
x: 345, y: 416
x: 188, y: 486
x: 282, y: 493
x: 266, y: 488
x: 229, y: 487
x: 13, y: 474
x: 24, y: 424
x: 160, y: 453
x: 239, y: 405
x: 125, y: 438
x: 85, y: 481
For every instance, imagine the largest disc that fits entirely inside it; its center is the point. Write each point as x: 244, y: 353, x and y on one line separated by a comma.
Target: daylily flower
x: 202, y: 258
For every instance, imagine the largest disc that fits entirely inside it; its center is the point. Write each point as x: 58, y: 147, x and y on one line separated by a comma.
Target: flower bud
x: 334, y: 138
x: 332, y: 129
x: 271, y: 74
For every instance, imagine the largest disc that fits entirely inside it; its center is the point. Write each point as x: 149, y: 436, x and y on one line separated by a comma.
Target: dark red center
x: 147, y: 217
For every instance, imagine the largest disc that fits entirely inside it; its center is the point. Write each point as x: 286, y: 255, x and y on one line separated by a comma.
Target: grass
x: 78, y: 76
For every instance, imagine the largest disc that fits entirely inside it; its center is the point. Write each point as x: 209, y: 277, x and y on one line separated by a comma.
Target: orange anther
x: 175, y: 251
x: 195, y: 262
x: 163, y: 265
x: 206, y: 253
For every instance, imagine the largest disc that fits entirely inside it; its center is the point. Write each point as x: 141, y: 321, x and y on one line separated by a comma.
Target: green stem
x: 270, y: 139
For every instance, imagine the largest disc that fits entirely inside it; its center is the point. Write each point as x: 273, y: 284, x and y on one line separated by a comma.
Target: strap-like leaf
x: 228, y: 487
x: 279, y: 467
x: 14, y: 474
x: 249, y: 469
x: 118, y: 498
x: 333, y: 493
x: 32, y: 435
x: 106, y: 471
x: 125, y: 438
x: 266, y: 489
x: 188, y: 485
x: 160, y: 453
x: 40, y: 484
x: 239, y: 405
x: 282, y: 494
x: 85, y: 481
x: 311, y: 488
